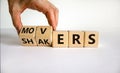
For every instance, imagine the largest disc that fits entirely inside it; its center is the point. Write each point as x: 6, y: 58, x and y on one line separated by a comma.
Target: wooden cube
x: 27, y: 36
x: 60, y: 39
x: 44, y: 35
x: 91, y: 39
x: 76, y: 38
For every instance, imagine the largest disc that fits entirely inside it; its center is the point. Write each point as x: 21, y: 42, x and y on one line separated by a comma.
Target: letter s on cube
x: 27, y: 36
x: 91, y: 39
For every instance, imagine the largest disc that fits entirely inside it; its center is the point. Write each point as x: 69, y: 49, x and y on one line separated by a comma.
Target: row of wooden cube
x: 44, y: 36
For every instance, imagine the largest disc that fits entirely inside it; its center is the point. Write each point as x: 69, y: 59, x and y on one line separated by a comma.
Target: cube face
x: 28, y: 41
x: 60, y: 39
x: 76, y: 38
x: 91, y: 39
x: 44, y: 35
x: 27, y: 36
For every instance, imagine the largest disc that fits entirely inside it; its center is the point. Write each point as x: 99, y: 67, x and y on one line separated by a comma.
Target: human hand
x: 16, y: 7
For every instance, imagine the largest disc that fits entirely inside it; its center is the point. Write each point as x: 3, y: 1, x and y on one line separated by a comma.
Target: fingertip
x: 54, y: 28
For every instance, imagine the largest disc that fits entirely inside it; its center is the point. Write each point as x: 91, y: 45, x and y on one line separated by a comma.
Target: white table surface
x: 21, y: 59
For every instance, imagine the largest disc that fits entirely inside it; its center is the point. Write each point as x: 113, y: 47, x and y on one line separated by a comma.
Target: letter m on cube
x: 27, y: 36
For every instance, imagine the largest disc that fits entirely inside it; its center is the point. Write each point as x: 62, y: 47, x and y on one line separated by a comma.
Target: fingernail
x: 54, y: 28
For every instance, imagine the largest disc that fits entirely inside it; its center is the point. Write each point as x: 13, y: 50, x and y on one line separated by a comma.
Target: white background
x: 88, y: 15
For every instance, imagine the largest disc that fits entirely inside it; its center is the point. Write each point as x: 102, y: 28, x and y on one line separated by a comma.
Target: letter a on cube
x: 44, y: 35
x: 27, y: 36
